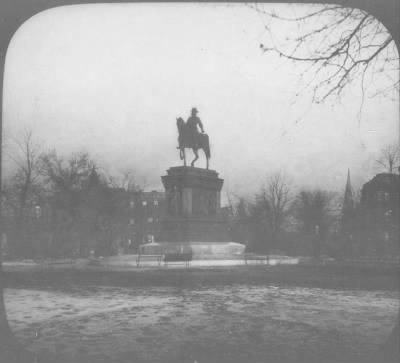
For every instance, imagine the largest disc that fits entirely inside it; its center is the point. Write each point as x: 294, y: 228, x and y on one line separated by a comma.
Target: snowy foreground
x: 231, y: 323
x: 129, y: 261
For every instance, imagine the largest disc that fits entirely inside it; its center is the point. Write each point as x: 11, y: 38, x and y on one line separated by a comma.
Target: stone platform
x: 193, y: 206
x: 193, y: 222
x: 199, y: 250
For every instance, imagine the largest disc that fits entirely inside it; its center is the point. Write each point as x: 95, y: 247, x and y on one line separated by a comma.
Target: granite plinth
x: 186, y: 176
x: 194, y: 229
x: 193, y: 206
x: 193, y: 222
x: 199, y: 250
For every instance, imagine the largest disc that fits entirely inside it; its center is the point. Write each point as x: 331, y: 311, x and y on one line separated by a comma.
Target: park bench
x: 178, y: 258
x: 254, y: 257
x: 140, y: 258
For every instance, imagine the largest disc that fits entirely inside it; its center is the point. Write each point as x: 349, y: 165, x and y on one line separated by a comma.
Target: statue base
x: 193, y: 206
x: 193, y: 222
x: 199, y: 250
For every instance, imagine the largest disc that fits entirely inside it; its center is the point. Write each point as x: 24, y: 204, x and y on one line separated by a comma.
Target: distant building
x: 114, y: 220
x: 78, y: 221
x: 145, y: 212
x: 378, y: 215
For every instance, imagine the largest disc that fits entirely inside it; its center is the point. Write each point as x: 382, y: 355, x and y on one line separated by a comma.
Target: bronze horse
x: 203, y: 143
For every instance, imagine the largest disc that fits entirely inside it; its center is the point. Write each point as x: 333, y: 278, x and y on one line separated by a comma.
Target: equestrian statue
x: 190, y: 137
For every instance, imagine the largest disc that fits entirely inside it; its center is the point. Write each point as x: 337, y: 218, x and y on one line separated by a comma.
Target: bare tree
x: 125, y: 179
x: 66, y: 174
x: 313, y: 207
x: 278, y: 195
x: 72, y: 183
x: 24, y: 188
x: 259, y: 222
x: 314, y: 212
x: 238, y: 216
x: 339, y: 45
x: 27, y: 158
x: 389, y: 158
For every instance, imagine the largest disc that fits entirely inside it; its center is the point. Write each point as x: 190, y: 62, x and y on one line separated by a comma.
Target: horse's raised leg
x: 196, y: 154
x: 182, y: 154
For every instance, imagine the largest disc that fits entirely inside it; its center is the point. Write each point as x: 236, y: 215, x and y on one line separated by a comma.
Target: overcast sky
x: 111, y: 80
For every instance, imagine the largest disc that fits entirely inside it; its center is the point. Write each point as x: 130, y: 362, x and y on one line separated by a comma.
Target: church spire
x: 348, y: 207
x: 348, y: 202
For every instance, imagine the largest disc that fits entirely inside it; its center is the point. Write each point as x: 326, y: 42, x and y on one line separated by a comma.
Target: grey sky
x: 111, y: 79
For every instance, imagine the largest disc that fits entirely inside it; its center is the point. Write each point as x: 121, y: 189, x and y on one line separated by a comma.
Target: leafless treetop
x: 389, y: 158
x: 340, y: 45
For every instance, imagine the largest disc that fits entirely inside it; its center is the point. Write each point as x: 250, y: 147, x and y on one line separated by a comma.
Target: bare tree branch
x: 340, y: 44
x: 276, y: 195
x: 389, y: 158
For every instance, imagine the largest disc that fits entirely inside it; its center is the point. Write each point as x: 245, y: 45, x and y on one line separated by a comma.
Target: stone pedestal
x: 193, y: 221
x: 193, y: 203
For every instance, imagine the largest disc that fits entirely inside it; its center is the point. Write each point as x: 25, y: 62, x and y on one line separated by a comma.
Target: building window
x: 144, y: 203
x: 132, y: 221
x: 156, y: 202
x: 150, y: 219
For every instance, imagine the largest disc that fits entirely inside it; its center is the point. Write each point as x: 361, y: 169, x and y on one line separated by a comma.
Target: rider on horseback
x: 192, y: 132
x: 190, y: 137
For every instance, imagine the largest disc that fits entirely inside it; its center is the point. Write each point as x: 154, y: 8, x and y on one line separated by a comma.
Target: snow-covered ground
x: 228, y: 323
x: 130, y: 261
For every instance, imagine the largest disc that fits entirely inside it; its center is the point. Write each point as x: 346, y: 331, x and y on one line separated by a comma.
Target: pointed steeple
x: 348, y: 202
x: 348, y: 208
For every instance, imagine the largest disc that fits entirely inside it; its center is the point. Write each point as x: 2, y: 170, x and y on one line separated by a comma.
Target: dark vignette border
x: 13, y: 13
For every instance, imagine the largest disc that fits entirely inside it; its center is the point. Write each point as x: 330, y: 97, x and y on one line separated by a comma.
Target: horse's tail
x: 180, y: 123
x: 206, y: 146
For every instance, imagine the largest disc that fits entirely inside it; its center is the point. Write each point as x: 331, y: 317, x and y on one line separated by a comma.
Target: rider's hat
x: 194, y: 110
